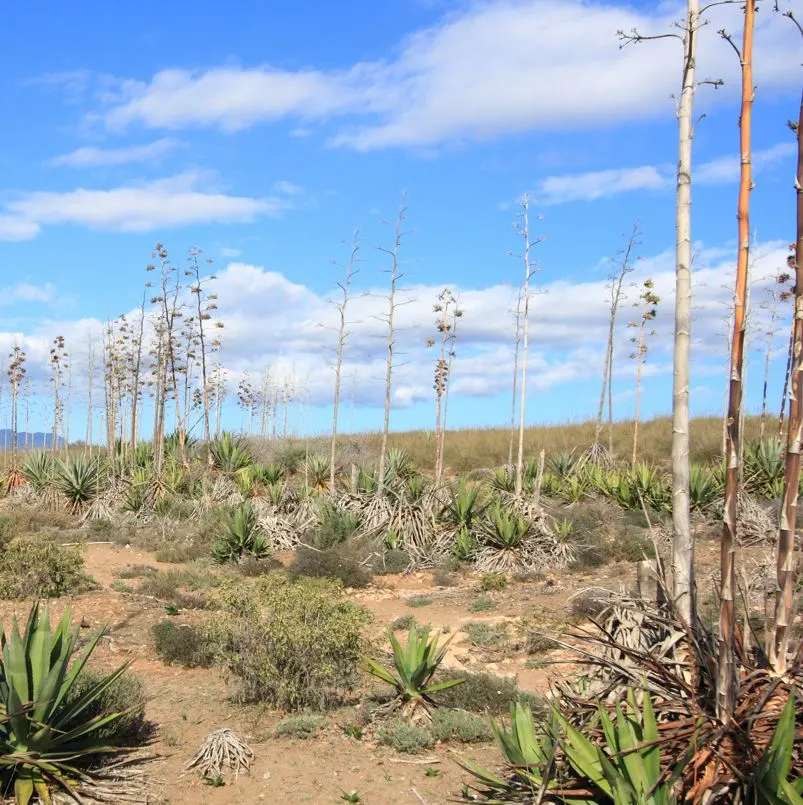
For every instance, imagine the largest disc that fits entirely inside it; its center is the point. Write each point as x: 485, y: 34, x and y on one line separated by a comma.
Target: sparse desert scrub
x: 36, y: 567
x: 293, y: 644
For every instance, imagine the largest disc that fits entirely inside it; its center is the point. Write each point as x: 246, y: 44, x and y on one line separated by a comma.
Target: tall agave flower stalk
x: 726, y: 679
x: 786, y: 564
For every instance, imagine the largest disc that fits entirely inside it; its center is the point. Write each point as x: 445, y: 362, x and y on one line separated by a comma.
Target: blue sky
x: 265, y: 133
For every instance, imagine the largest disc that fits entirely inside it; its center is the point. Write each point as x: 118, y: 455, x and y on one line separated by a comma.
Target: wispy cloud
x: 593, y: 185
x: 495, y: 67
x: 90, y: 157
x: 178, y: 201
x: 25, y: 292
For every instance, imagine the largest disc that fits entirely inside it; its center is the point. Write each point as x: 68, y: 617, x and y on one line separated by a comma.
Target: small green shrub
x: 291, y: 643
x: 181, y: 644
x: 418, y: 601
x: 302, y: 726
x: 179, y: 553
x: 403, y: 737
x: 250, y: 566
x: 330, y: 564
x: 35, y: 567
x: 444, y: 576
x: 335, y: 527
x: 392, y: 561
x: 126, y: 694
x: 403, y: 623
x: 459, y: 725
x: 484, y: 693
x: 491, y: 581
x: 101, y: 527
x: 137, y: 572
x: 492, y: 636
x: 481, y: 605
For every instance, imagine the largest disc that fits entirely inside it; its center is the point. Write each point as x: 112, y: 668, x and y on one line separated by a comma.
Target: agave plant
x: 270, y: 473
x: 771, y: 784
x: 139, y: 491
x: 764, y: 468
x: 573, y: 488
x: 78, y: 479
x: 464, y: 545
x: 399, y: 468
x: 504, y: 529
x: 317, y: 469
x: 503, y: 479
x: 366, y: 481
x: 704, y: 488
x: 241, y: 537
x: 229, y: 454
x: 563, y: 464
x: 464, y: 506
x: 650, y: 487
x: 527, y: 755
x: 415, y: 665
x: 39, y: 470
x: 43, y: 737
x: 622, y: 766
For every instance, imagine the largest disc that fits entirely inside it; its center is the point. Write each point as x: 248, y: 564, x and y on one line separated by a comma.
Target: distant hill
x: 34, y: 441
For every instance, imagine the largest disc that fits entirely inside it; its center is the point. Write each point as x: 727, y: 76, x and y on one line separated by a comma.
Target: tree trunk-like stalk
x: 683, y: 542
x: 514, y: 395
x: 786, y: 564
x: 726, y: 668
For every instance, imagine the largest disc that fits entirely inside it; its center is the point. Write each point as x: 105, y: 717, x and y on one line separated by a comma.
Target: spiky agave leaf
x: 38, y: 469
x: 415, y: 664
x: 78, y: 479
x: 229, y: 453
x: 242, y: 536
x: 43, y: 739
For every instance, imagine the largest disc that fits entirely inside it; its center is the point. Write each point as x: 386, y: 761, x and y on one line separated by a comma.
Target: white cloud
x: 495, y: 67
x: 272, y: 323
x: 90, y: 157
x: 25, y: 292
x: 725, y: 170
x: 593, y: 185
x: 288, y: 188
x: 228, y: 251
x: 599, y: 184
x: 173, y: 202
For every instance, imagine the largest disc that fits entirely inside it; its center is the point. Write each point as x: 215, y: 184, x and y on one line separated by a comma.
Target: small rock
x: 266, y: 776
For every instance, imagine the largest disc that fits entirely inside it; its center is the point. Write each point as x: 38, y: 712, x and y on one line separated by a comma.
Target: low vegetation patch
x: 36, y: 567
x: 484, y: 693
x: 292, y: 643
x: 302, y: 726
x: 181, y: 644
x: 333, y: 563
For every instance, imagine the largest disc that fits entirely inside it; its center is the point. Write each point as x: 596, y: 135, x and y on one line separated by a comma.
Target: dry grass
x: 477, y: 448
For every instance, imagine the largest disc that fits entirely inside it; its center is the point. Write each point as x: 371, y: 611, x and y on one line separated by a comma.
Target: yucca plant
x: 650, y: 487
x: 229, y: 454
x: 764, y: 468
x: 38, y: 469
x: 464, y: 506
x: 270, y: 473
x: 241, y: 537
x: 704, y: 488
x: 771, y: 784
x: 43, y: 738
x: 528, y: 757
x: 503, y: 479
x: 399, y: 468
x: 415, y: 665
x: 563, y: 464
x: 415, y: 487
x: 317, y: 469
x: 504, y: 529
x: 78, y: 479
x: 248, y: 481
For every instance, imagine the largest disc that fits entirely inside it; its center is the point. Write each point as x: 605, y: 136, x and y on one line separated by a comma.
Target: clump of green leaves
x: 241, y: 536
x: 415, y: 664
x: 51, y: 733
